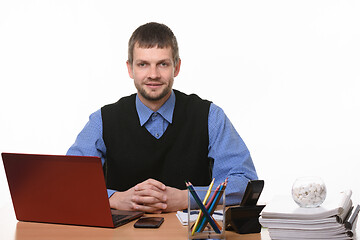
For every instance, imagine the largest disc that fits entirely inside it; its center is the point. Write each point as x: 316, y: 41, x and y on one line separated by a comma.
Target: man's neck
x: 154, y: 105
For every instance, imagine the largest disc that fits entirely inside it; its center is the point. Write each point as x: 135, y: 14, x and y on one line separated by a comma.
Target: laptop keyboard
x: 117, y: 218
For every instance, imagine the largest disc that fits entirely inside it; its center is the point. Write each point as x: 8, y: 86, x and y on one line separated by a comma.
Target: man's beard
x: 148, y: 97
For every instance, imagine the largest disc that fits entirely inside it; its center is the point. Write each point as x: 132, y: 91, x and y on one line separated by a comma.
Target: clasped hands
x: 150, y: 196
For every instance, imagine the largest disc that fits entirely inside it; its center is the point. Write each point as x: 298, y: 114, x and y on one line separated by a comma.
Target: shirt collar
x: 166, y: 110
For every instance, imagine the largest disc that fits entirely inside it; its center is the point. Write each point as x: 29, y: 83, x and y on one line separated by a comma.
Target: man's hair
x: 152, y: 35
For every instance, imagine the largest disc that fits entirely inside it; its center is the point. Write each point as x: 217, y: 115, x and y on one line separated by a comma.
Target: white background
x: 285, y: 72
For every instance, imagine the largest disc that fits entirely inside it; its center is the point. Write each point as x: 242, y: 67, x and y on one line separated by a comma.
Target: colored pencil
x: 204, y: 202
x: 202, y: 207
x: 211, y: 206
x: 208, y: 205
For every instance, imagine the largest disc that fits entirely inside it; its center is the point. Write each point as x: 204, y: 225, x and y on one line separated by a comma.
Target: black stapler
x: 245, y: 217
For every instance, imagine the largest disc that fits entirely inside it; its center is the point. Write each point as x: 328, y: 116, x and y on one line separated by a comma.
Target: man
x: 152, y: 141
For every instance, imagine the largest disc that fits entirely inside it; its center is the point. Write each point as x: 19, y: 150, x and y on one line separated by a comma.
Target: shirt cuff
x: 110, y: 192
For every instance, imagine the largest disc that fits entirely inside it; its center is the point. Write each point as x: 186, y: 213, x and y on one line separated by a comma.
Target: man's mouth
x: 153, y: 85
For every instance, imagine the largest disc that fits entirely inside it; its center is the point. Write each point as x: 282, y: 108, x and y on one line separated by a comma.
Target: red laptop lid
x: 58, y: 189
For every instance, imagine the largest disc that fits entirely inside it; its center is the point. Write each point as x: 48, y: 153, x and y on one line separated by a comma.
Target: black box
x: 243, y: 219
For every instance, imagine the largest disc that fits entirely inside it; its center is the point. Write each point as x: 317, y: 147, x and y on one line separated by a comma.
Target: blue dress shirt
x: 232, y: 159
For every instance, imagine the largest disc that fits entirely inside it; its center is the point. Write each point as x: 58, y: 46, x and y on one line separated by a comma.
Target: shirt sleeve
x: 232, y: 158
x: 89, y: 142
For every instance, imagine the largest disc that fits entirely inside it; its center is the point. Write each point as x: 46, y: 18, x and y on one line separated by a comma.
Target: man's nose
x: 154, y: 72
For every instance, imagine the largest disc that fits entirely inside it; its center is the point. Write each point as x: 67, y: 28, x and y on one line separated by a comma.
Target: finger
x: 140, y: 187
x: 152, y: 184
x: 153, y: 208
x: 148, y: 199
x: 160, y: 196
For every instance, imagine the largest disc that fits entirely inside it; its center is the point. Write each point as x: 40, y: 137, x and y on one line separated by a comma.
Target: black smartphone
x: 252, y: 192
x: 149, y: 222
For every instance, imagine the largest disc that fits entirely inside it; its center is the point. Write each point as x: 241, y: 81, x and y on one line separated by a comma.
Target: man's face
x: 153, y: 72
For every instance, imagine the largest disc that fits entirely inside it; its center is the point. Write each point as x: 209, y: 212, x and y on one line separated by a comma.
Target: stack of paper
x: 334, y: 219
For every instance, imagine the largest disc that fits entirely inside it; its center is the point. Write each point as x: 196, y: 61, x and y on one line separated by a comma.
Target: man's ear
x: 177, y: 68
x: 130, y: 70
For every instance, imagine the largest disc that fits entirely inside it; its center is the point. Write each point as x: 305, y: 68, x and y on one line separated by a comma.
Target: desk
x: 11, y: 229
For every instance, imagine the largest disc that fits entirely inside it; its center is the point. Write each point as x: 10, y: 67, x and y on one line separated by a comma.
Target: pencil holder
x: 209, y: 225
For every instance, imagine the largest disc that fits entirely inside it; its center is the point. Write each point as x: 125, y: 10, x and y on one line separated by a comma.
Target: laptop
x: 61, y: 189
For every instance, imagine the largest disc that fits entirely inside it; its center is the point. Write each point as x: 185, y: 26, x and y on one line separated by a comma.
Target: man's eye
x: 141, y: 64
x: 164, y: 64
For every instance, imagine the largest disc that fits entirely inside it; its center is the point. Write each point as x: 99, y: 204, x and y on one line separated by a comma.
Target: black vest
x: 134, y: 155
